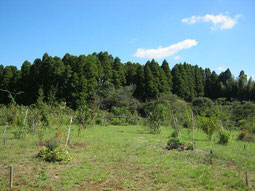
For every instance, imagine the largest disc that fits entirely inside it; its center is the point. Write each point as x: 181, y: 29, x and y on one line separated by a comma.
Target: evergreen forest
x: 73, y: 79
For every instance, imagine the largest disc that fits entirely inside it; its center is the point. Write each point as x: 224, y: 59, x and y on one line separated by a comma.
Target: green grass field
x: 127, y: 158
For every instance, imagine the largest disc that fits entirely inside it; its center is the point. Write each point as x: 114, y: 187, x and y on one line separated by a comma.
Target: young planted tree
x: 156, y: 113
x: 210, y: 125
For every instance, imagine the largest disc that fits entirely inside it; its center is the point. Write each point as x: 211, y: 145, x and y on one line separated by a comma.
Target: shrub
x: 243, y: 134
x: 201, y: 104
x: 53, y: 152
x: 209, y: 125
x: 52, y: 144
x: 59, y: 154
x: 189, y: 146
x: 156, y: 113
x: 174, y: 134
x: 224, y: 137
x: 174, y: 143
x: 115, y: 121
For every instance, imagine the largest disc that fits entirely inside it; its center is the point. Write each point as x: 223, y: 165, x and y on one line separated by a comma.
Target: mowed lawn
x: 127, y: 158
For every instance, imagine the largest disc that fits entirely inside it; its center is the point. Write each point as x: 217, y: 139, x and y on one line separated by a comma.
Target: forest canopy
x: 75, y: 78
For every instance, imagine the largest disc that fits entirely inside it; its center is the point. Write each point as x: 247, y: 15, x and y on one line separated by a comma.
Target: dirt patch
x: 77, y: 144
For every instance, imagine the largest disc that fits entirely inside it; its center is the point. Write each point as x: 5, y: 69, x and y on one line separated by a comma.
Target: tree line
x: 75, y: 78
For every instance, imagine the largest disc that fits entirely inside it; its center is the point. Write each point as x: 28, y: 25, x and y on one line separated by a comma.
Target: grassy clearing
x: 127, y: 158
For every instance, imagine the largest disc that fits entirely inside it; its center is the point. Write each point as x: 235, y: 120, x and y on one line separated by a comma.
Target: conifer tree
x: 105, y: 60
x: 167, y: 71
x: 151, y: 91
x: 118, y: 73
x: 199, y: 82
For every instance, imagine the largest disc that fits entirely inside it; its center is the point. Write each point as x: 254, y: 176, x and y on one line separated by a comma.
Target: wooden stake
x: 247, y: 178
x: 68, y: 134
x: 11, y: 174
x: 4, y: 136
x: 79, y: 131
x: 33, y: 124
x: 103, y: 119
x: 25, y: 119
x: 211, y: 155
x: 193, y: 136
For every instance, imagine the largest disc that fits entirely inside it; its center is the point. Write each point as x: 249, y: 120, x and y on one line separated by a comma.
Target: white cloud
x: 165, y: 52
x: 219, y: 21
x: 220, y: 69
x: 177, y: 57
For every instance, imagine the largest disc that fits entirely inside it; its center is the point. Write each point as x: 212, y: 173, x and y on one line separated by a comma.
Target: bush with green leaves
x: 210, y: 125
x: 224, y: 137
x: 59, y: 154
x: 201, y: 104
x: 156, y: 113
x: 175, y: 143
x: 53, y: 152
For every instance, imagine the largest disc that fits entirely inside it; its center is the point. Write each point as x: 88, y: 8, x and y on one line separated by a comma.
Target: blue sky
x: 216, y: 34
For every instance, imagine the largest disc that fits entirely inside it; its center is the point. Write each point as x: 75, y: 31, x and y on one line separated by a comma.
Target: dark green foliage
x: 175, y: 143
x: 151, y: 89
x: 76, y: 76
x: 243, y: 111
x: 201, y: 104
x: 168, y: 73
x: 224, y: 137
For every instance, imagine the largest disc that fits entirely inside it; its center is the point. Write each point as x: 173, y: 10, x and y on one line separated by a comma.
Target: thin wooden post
x: 4, y: 136
x: 11, y: 174
x: 103, y: 119
x: 25, y: 119
x: 68, y: 134
x: 211, y: 156
x: 79, y: 131
x: 33, y: 124
x: 193, y: 135
x: 247, y: 178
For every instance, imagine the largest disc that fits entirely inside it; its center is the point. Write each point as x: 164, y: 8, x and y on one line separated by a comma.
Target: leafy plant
x: 59, y: 154
x: 224, y: 136
x: 52, y: 144
x: 156, y: 112
x: 53, y: 152
x: 209, y: 125
x: 174, y: 143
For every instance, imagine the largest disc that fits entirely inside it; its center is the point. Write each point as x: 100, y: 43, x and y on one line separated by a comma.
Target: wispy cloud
x: 219, y: 21
x: 220, y: 69
x: 166, y: 51
x: 177, y: 58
